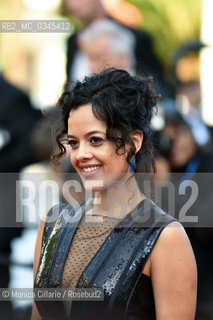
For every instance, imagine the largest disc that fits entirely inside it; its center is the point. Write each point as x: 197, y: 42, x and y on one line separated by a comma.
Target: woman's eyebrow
x: 87, y: 134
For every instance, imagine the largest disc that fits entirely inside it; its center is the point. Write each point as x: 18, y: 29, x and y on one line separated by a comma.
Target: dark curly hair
x: 124, y: 102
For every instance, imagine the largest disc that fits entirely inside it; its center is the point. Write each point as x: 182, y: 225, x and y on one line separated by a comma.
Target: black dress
x: 116, y: 268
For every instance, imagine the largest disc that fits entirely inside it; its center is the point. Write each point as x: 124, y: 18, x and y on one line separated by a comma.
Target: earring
x: 132, y: 165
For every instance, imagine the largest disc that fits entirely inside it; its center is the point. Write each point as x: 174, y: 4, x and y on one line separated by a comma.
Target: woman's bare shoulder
x: 174, y: 246
x: 172, y: 234
x: 174, y: 274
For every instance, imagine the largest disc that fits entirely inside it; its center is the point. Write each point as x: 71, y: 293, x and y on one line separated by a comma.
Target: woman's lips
x: 89, y: 171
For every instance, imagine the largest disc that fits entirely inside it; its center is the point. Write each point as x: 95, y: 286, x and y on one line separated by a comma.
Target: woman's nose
x: 83, y: 153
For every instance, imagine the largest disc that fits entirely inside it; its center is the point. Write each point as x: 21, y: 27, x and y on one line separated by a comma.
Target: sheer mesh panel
x: 89, y: 236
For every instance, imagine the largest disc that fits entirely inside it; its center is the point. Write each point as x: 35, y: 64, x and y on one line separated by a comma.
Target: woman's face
x: 92, y: 155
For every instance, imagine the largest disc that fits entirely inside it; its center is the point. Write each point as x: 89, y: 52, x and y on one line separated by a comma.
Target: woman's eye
x: 73, y: 143
x: 96, y: 140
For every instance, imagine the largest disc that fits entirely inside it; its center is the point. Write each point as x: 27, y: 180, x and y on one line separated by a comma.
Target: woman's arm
x: 35, y: 313
x: 174, y: 275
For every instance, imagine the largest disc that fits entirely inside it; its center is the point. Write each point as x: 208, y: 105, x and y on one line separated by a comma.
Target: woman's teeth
x: 90, y: 169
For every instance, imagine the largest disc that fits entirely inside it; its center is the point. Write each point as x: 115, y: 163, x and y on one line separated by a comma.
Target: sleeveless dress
x: 108, y: 254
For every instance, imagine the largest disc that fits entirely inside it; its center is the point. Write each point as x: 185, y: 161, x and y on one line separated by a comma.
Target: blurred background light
x: 207, y: 62
x: 41, y: 5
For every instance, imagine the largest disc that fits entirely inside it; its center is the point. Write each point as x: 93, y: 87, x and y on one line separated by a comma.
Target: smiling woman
x: 117, y: 241
x: 92, y: 155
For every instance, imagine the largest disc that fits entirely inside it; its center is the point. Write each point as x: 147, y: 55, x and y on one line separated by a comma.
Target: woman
x: 118, y: 240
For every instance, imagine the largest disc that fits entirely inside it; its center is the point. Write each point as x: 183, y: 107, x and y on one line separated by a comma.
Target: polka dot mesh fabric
x: 89, y: 236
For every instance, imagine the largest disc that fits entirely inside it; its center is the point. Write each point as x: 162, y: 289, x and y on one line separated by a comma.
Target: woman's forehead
x: 83, y: 119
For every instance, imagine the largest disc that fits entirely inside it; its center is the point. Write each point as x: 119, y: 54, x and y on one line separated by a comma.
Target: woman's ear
x: 137, y: 138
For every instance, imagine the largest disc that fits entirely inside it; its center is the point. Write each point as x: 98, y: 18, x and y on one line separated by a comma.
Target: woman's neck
x: 117, y: 200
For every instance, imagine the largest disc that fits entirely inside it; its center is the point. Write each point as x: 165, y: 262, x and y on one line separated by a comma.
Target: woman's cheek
x: 72, y: 160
